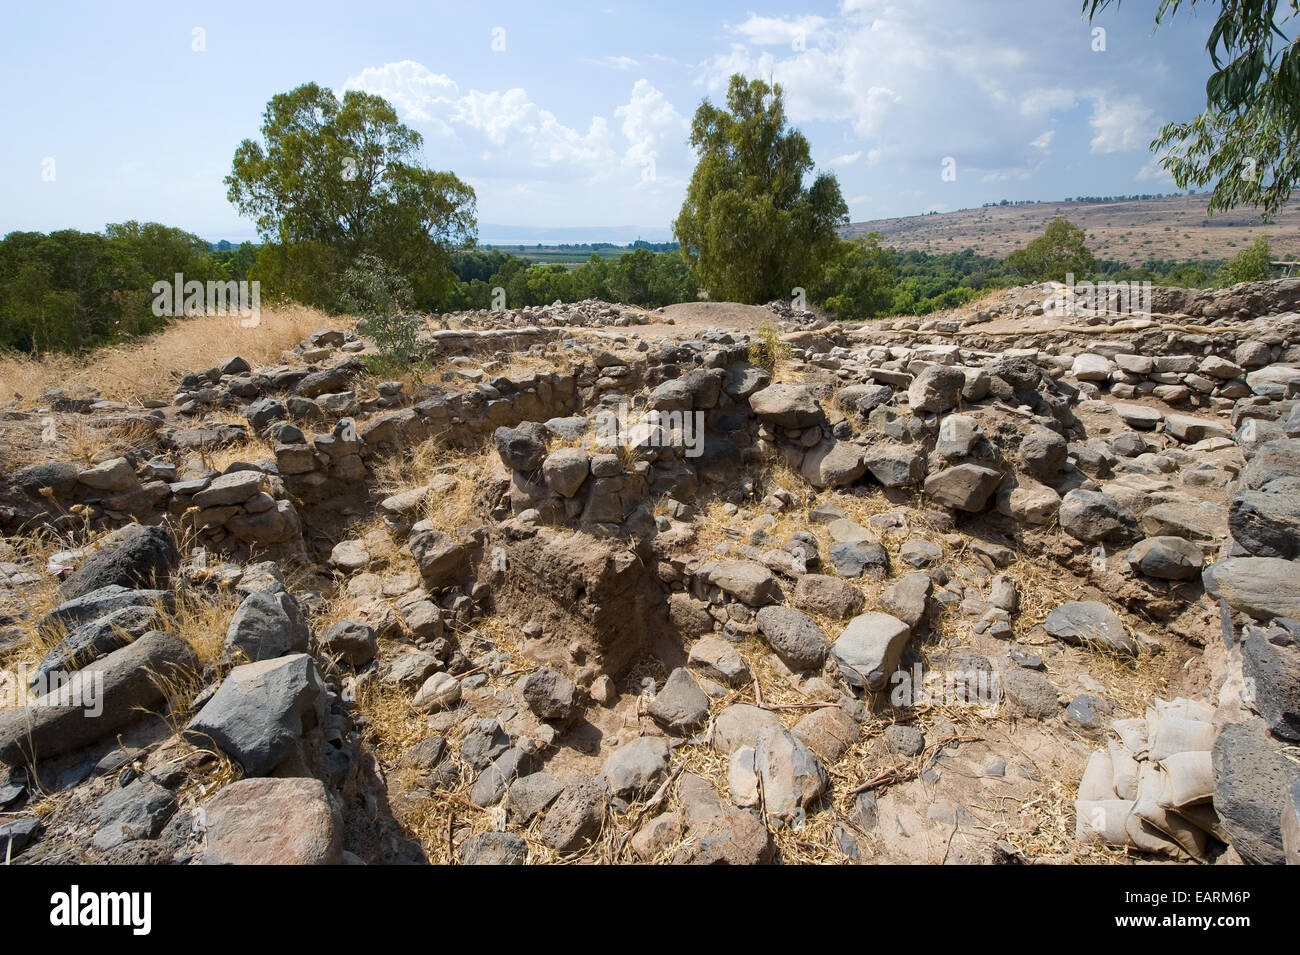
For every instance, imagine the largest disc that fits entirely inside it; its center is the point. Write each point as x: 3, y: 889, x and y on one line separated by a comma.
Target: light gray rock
x: 681, y: 704
x: 738, y: 725
x: 833, y: 464
x: 787, y: 406
x: 565, y: 469
x: 266, y: 625
x: 937, y: 388
x: 1264, y: 587
x: 636, y: 767
x: 747, y: 580
x: 1086, y: 622
x: 439, y: 692
x: 719, y: 660
x: 793, y: 777
x: 869, y: 648
x: 907, y: 598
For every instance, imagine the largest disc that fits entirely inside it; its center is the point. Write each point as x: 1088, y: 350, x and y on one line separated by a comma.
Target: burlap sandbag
x: 1203, y: 817
x: 1145, y: 837
x: 1098, y: 781
x: 1102, y: 821
x: 1133, y: 734
x: 1184, y: 709
x: 1173, y: 734
x: 1151, y: 781
x: 1190, y: 778
x: 1124, y: 770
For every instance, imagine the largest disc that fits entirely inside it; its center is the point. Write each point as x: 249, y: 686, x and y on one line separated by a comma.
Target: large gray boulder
x: 937, y: 388
x: 1267, y: 522
x: 260, y: 712
x: 793, y: 777
x: 739, y: 725
x: 522, y: 448
x: 787, y: 406
x: 439, y: 556
x: 91, y: 641
x: 681, y: 704
x: 636, y: 767
x: 1251, y: 776
x: 1270, y: 662
x: 894, y: 465
x: 967, y: 487
x: 97, y: 603
x: 1264, y: 587
x: 833, y: 464
x: 747, y: 580
x: 1167, y: 558
x: 107, y: 695
x: 142, y: 557
x: 273, y: 822
x: 575, y: 818
x: 565, y: 469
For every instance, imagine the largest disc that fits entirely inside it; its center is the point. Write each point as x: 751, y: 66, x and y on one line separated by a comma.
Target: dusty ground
x: 1176, y: 227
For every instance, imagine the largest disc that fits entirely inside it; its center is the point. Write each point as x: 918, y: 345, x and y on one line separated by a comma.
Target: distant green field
x: 570, y: 256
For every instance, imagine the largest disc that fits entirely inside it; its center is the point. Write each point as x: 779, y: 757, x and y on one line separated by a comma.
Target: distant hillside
x: 1133, y: 231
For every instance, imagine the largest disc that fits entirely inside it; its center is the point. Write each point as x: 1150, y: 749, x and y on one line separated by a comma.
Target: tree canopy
x: 1247, y: 140
x: 1058, y: 252
x: 750, y: 227
x: 340, y: 178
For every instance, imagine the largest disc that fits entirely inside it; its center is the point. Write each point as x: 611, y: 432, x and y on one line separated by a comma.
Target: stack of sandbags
x: 1152, y: 788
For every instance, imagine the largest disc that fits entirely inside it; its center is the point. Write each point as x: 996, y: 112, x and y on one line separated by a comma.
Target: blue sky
x: 564, y: 114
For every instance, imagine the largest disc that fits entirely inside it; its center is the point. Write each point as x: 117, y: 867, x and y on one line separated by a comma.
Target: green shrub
x: 767, y: 350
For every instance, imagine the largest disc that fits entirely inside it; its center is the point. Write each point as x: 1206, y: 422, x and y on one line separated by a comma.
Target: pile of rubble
x: 881, y: 601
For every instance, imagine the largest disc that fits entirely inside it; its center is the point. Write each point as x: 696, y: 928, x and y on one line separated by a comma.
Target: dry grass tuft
x: 150, y: 367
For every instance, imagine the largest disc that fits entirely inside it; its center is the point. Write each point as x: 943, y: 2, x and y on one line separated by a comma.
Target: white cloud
x: 612, y: 62
x: 415, y: 90
x: 1038, y: 103
x: 649, y: 122
x: 513, y: 142
x: 1154, y: 172
x: 979, y: 89
x: 848, y: 159
x: 1121, y: 125
x: 778, y: 31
